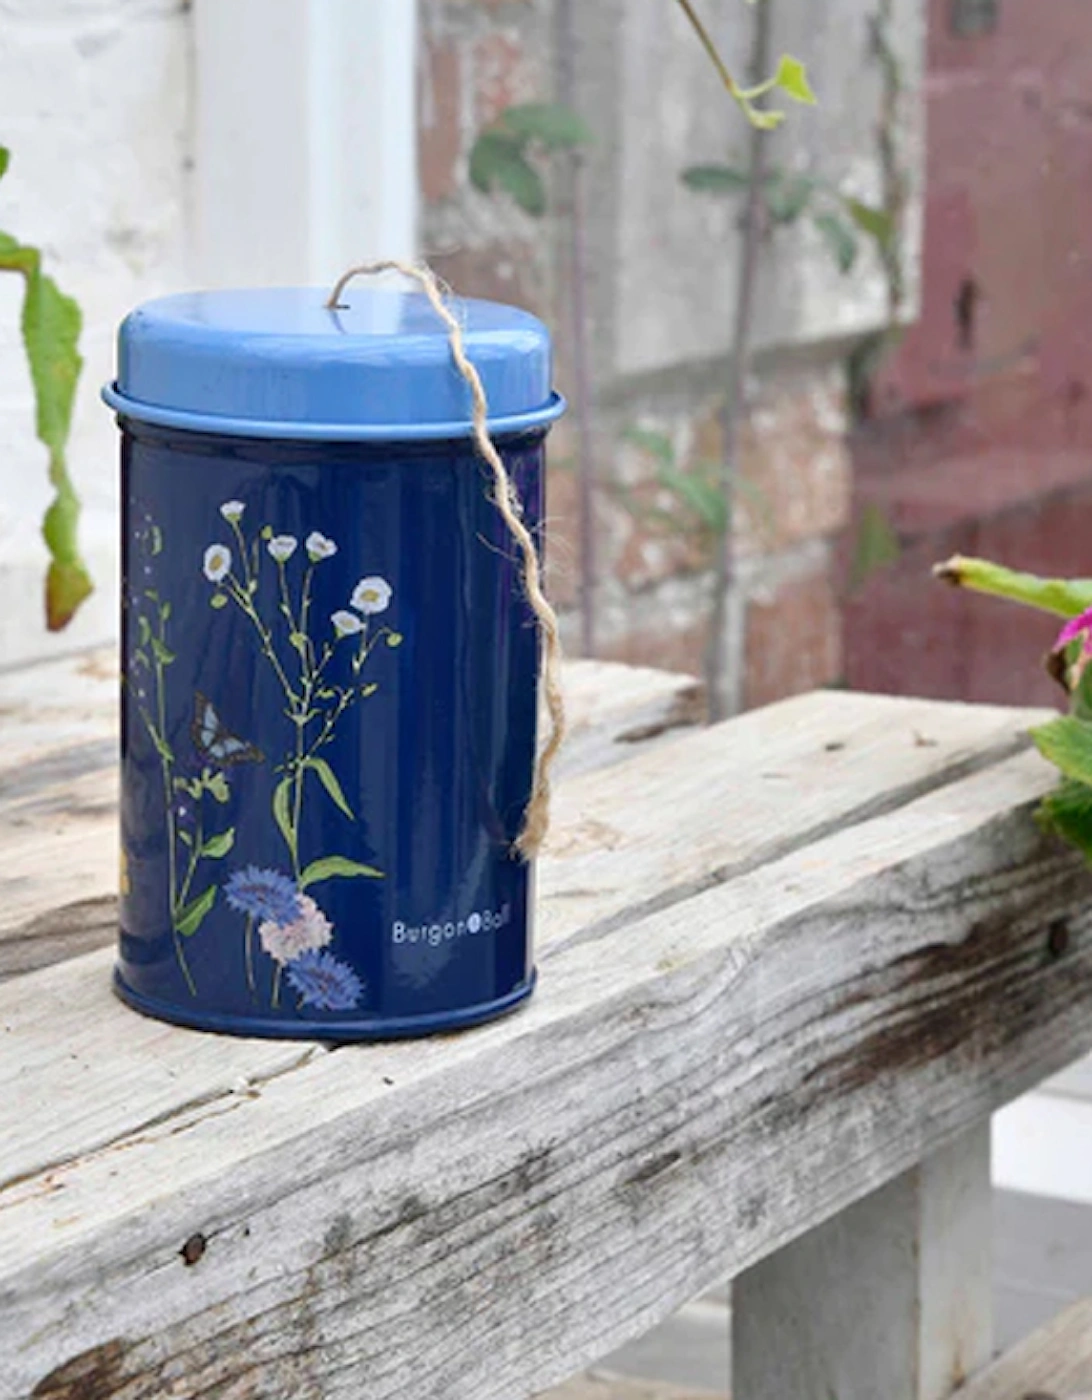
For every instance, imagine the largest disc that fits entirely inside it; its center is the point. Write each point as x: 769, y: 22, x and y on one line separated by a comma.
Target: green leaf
x: 839, y: 239
x: 281, y: 813
x: 394, y: 639
x: 218, y: 600
x: 658, y: 445
x: 144, y: 627
x: 5, y: 161
x: 765, y: 121
x: 715, y: 179
x: 876, y: 546
x: 551, y: 123
x: 787, y: 196
x: 162, y: 748
x: 792, y: 79
x: 497, y: 161
x: 157, y: 540
x: 700, y: 495
x: 876, y: 223
x: 163, y: 654
x: 1067, y: 743
x: 330, y: 866
x: 165, y: 612
x: 189, y: 918
x: 216, y: 847
x: 299, y: 641
x: 1080, y: 701
x: 185, y: 838
x: 1067, y: 811
x: 329, y: 781
x: 51, y: 329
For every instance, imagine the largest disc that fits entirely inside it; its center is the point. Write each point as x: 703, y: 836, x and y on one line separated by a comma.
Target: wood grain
x: 476, y: 1217
x: 59, y: 789
x: 1056, y: 1362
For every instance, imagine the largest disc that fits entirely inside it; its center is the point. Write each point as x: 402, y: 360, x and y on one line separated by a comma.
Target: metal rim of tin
x: 213, y: 423
x: 378, y: 1028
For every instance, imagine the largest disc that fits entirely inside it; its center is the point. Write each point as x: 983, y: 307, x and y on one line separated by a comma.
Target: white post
x: 305, y: 137
x: 891, y: 1298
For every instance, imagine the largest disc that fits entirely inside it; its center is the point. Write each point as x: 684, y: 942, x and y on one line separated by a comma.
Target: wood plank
x: 474, y: 1217
x: 1055, y: 1363
x: 891, y: 1298
x: 606, y: 1387
x: 612, y: 858
x: 59, y: 790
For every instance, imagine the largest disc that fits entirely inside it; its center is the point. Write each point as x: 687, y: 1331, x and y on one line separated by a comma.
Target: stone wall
x: 661, y: 286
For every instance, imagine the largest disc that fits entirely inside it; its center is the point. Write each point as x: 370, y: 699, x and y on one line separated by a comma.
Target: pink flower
x: 310, y: 929
x: 1077, y: 629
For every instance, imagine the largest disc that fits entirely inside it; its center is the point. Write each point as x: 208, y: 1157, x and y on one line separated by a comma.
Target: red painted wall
x: 980, y: 434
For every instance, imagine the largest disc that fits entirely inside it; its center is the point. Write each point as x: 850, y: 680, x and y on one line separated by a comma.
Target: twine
x: 537, y: 817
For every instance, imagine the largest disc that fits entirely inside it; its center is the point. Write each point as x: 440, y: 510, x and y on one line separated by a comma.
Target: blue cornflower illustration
x: 264, y: 894
x: 324, y: 982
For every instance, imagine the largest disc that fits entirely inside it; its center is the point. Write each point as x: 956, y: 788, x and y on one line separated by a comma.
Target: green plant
x: 1066, y: 742
x: 689, y: 500
x: 50, y: 324
x: 791, y: 78
x: 507, y: 154
x: 789, y: 196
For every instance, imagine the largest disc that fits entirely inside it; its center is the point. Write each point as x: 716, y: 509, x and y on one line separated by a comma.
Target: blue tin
x: 329, y: 665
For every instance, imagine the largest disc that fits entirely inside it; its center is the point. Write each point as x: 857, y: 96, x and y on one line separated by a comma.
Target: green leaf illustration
x: 394, y: 639
x: 217, y: 785
x: 218, y: 600
x: 1067, y: 743
x: 298, y: 640
x: 145, y: 629
x: 330, y: 866
x: 839, y: 239
x: 163, y: 654
x: 185, y: 838
x: 189, y: 918
x: 1067, y: 811
x: 216, y: 847
x: 281, y: 813
x: 157, y: 540
x: 329, y: 781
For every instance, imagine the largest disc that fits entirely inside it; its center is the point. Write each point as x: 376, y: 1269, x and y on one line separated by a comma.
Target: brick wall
x: 980, y: 439
x: 654, y: 589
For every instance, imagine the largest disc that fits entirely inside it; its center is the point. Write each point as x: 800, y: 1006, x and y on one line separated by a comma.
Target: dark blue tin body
x: 328, y: 732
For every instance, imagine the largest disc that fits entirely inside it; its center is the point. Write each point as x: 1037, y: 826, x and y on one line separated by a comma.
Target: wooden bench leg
x: 891, y: 1298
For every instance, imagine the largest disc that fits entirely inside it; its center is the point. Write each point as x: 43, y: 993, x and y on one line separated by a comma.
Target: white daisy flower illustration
x: 282, y: 547
x: 319, y: 546
x: 371, y: 595
x: 346, y: 623
x: 217, y: 562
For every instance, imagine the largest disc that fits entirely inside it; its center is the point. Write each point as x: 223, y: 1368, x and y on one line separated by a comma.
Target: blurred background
x: 874, y: 325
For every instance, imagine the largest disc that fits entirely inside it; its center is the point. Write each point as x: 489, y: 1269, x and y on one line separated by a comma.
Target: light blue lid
x: 274, y: 362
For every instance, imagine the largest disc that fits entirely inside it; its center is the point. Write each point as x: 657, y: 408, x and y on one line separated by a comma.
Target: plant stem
x: 711, y: 48
x: 721, y: 699
x: 578, y: 315
x: 248, y: 952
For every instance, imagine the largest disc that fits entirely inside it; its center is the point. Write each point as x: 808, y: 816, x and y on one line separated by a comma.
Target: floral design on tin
x: 319, y: 664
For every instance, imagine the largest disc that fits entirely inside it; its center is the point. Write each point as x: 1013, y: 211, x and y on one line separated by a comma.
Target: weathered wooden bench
x: 789, y: 966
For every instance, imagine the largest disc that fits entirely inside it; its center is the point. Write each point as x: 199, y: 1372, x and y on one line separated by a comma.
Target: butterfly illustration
x: 214, y: 742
